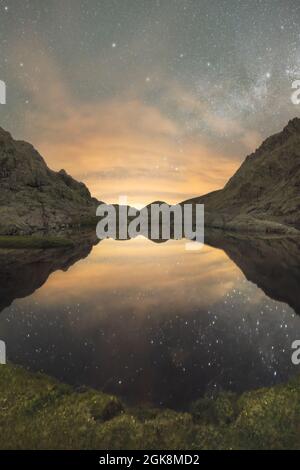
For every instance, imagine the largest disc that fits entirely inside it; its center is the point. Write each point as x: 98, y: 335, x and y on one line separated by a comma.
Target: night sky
x: 154, y: 99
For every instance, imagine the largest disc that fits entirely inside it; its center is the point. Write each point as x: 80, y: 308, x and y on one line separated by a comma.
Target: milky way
x: 148, y: 98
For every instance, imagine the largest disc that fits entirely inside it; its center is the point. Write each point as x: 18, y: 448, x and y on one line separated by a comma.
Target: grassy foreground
x: 37, y: 412
x: 33, y: 242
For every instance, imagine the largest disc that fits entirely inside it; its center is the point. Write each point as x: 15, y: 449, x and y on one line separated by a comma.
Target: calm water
x: 154, y: 323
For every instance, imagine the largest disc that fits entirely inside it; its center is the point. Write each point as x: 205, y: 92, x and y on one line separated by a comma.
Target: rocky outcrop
x: 33, y: 197
x: 264, y: 194
x: 22, y: 272
x: 270, y: 262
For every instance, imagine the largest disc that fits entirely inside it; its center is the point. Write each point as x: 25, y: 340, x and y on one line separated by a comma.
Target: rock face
x: 24, y: 271
x: 35, y: 198
x: 270, y: 262
x: 264, y: 194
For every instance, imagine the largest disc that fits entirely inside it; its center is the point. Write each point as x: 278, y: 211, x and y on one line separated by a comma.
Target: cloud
x: 126, y: 144
x: 107, y: 268
x: 211, y: 112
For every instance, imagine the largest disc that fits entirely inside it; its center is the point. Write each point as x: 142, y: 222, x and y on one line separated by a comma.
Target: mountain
x: 264, y: 194
x: 270, y: 262
x: 33, y: 197
x: 22, y: 272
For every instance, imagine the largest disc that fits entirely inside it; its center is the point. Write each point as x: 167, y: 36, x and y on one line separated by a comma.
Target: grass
x: 88, y: 222
x: 37, y: 412
x: 21, y: 242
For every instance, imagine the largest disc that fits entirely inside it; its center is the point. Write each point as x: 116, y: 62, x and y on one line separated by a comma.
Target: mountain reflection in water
x: 153, y: 322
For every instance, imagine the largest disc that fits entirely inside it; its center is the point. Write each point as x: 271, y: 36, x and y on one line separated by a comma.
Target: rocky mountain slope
x: 264, y: 194
x: 270, y: 262
x: 22, y: 272
x: 33, y: 197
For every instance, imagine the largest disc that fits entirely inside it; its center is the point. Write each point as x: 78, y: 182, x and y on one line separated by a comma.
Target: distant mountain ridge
x: 33, y: 197
x: 264, y: 194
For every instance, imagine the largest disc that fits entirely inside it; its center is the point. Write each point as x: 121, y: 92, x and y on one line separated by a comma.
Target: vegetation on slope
x: 32, y: 242
x: 37, y: 412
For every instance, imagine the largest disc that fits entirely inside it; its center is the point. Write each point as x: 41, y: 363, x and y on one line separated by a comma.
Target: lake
x: 154, y: 323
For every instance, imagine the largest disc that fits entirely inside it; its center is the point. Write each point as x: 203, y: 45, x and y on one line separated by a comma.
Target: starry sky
x: 153, y: 99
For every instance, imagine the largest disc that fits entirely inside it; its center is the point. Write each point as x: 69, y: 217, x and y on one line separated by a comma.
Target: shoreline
x: 34, y: 242
x: 43, y: 413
